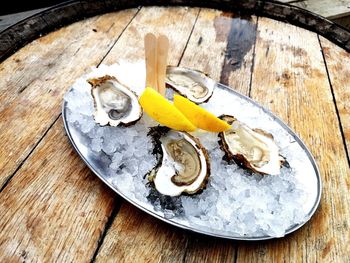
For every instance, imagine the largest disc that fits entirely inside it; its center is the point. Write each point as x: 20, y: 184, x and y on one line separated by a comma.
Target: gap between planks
x: 335, y: 102
x: 189, y: 37
x: 115, y: 42
x: 29, y: 154
x: 106, y: 228
x: 253, y: 61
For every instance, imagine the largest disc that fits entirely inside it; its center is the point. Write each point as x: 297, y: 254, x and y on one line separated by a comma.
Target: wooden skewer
x: 151, y: 60
x: 162, y: 56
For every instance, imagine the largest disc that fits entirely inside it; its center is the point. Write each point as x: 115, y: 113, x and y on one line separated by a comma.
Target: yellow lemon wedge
x: 198, y: 116
x: 160, y: 109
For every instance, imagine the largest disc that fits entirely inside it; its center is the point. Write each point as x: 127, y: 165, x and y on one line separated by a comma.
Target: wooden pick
x: 162, y: 56
x: 151, y: 60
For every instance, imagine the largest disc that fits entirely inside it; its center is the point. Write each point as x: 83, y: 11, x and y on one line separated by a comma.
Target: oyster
x: 115, y: 104
x: 183, y: 165
x: 254, y: 149
x: 192, y: 84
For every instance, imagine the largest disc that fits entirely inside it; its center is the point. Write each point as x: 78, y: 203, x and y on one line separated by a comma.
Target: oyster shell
x: 183, y: 165
x: 254, y: 149
x: 115, y: 104
x: 192, y: 84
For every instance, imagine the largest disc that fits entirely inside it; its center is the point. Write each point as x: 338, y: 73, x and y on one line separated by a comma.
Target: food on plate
x: 115, y: 104
x: 163, y: 111
x: 254, y: 149
x: 200, y: 117
x: 183, y: 165
x: 192, y: 84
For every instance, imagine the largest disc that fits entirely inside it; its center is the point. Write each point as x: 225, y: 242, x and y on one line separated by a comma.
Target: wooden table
x: 53, y: 209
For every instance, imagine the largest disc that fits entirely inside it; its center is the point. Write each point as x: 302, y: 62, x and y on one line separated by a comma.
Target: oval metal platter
x: 311, y: 177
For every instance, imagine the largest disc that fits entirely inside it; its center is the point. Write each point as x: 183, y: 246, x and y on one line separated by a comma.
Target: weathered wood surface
x: 336, y: 61
x: 54, y: 209
x: 290, y: 78
x: 31, y: 88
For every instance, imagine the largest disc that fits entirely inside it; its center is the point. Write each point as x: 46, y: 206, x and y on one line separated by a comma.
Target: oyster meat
x: 254, y: 149
x: 115, y: 104
x: 183, y: 165
x: 192, y: 84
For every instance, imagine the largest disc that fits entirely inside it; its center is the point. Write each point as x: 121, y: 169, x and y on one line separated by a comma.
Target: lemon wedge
x: 160, y: 109
x: 200, y: 117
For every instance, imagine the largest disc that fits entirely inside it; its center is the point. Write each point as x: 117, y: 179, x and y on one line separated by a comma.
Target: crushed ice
x: 234, y: 201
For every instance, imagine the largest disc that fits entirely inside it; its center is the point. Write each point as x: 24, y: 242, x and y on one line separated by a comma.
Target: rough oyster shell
x: 115, y: 104
x: 183, y: 165
x: 254, y: 149
x: 192, y: 84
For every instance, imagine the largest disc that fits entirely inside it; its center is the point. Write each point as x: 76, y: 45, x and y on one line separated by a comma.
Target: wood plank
x: 221, y: 45
x: 338, y: 61
x: 35, y: 78
x: 134, y: 234
x: 209, y: 249
x: 32, y: 60
x: 290, y: 78
x: 176, y: 23
x: 56, y: 208
x: 330, y: 9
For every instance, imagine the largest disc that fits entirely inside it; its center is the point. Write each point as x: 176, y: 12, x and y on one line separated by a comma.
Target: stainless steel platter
x: 93, y: 161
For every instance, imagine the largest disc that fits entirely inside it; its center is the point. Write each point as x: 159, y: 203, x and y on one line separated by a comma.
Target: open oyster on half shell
x: 115, y: 104
x: 183, y: 165
x: 192, y: 84
x: 254, y: 149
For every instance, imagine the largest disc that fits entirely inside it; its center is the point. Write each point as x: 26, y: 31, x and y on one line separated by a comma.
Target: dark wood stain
x: 327, y: 248
x: 297, y: 51
x: 285, y: 79
x: 200, y: 40
x: 240, y: 40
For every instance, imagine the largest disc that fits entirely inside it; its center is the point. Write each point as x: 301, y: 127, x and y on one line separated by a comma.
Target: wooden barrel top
x: 53, y: 208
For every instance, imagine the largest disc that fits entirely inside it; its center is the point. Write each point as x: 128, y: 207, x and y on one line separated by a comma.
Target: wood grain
x: 142, y: 237
x: 55, y: 209
x: 210, y: 51
x: 337, y: 60
x: 35, y: 78
x: 290, y: 78
x: 175, y: 23
x: 138, y: 237
x: 209, y: 249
